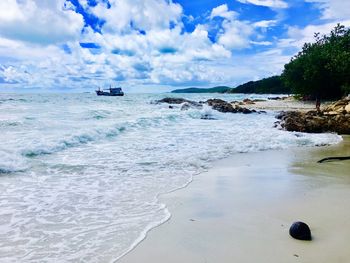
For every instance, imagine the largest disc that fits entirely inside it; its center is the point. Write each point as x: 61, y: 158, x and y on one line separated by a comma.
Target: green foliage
x: 218, y: 89
x: 271, y: 85
x: 322, y: 68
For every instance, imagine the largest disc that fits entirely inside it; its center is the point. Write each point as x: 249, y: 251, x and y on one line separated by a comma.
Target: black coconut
x: 300, y: 230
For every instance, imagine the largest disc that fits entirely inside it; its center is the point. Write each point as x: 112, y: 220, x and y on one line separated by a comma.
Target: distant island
x: 271, y: 85
x: 218, y: 89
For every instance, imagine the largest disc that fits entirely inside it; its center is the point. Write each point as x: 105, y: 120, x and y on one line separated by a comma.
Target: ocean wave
x: 49, y: 147
x: 11, y: 162
x: 10, y: 123
x: 99, y: 114
x: 73, y: 141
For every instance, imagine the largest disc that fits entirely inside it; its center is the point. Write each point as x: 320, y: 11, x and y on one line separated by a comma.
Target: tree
x: 321, y: 69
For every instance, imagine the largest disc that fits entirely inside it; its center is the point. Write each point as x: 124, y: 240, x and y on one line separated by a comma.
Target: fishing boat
x: 110, y: 92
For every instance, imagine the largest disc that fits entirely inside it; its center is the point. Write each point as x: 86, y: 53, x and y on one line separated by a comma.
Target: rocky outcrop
x: 334, y: 118
x: 224, y: 106
x: 186, y: 104
x: 246, y: 101
x: 338, y: 107
x: 217, y: 104
x: 221, y: 105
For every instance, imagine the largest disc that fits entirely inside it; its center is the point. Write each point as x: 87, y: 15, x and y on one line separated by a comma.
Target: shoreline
x: 241, y: 210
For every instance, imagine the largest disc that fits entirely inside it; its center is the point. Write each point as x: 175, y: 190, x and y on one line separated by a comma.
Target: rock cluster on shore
x: 334, y: 118
x: 224, y: 106
x: 217, y: 104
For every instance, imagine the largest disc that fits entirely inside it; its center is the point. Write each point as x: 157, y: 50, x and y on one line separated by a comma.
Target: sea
x: 81, y: 175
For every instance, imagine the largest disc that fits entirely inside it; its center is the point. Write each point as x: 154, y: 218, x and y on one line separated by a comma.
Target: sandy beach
x: 286, y: 104
x: 242, y: 208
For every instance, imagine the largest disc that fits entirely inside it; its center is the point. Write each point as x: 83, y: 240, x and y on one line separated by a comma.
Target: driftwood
x: 339, y: 158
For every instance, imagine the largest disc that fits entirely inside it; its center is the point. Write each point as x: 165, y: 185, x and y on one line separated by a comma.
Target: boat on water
x: 110, y: 92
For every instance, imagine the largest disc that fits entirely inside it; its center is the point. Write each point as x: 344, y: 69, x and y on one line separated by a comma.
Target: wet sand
x: 241, y: 210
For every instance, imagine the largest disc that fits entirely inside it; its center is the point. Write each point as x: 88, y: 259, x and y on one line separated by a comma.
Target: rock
x: 216, y: 104
x: 221, y: 105
x: 347, y: 108
x: 331, y: 113
x: 300, y: 230
x: 338, y: 106
x: 185, y: 106
x: 174, y: 100
x: 314, y: 122
x: 248, y: 101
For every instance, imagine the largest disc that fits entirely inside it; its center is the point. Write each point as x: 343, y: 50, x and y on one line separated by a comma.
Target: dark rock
x: 224, y: 106
x: 246, y: 111
x: 221, y: 105
x: 171, y: 107
x: 174, y: 100
x: 300, y: 230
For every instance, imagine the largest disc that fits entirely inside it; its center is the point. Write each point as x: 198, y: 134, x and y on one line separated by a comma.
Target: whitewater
x: 80, y: 175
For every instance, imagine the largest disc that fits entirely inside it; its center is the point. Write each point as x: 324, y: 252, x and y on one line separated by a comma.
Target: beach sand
x: 288, y: 104
x: 242, y: 208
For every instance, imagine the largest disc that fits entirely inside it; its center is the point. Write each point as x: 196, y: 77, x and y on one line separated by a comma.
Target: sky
x: 154, y: 45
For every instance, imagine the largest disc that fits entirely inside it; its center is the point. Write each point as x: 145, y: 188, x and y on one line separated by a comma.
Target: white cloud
x: 41, y: 22
x: 298, y: 36
x: 265, y: 23
x: 123, y: 15
x: 236, y: 35
x: 267, y: 3
x: 163, y: 54
x: 222, y: 11
x: 333, y: 9
x: 261, y: 43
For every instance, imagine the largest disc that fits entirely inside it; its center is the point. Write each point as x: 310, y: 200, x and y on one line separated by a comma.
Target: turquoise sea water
x: 80, y: 175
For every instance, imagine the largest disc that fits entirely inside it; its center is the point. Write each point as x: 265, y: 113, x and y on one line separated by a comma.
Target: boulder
x: 300, y: 230
x: 339, y: 106
x: 221, y: 105
x: 314, y: 122
x: 347, y: 108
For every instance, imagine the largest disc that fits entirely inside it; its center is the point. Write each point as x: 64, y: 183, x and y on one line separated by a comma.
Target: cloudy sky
x: 154, y: 45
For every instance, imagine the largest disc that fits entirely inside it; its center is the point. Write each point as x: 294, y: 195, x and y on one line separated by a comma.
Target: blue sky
x: 154, y: 45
